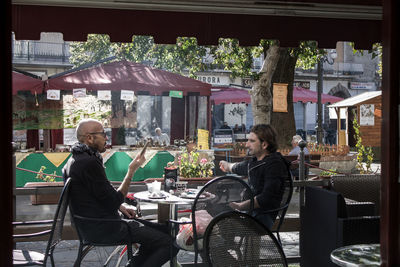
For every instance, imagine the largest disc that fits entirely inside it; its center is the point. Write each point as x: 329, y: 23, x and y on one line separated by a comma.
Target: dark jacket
x: 91, y: 193
x: 266, y: 179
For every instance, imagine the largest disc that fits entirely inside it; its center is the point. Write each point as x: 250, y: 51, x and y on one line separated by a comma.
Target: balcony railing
x: 40, y: 51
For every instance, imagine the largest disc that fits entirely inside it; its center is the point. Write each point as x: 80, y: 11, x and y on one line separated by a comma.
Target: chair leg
x: 279, y: 238
x: 80, y: 255
x: 52, y: 258
x: 130, y: 254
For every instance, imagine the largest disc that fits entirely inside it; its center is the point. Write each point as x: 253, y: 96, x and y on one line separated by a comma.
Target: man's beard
x: 101, y: 150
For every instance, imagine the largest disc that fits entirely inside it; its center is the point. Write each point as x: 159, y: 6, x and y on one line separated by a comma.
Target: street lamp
x: 330, y: 60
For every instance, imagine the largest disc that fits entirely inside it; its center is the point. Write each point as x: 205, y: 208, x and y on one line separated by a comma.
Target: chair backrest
x: 238, y: 239
x: 58, y: 222
x: 285, y: 202
x: 359, y: 187
x: 219, y: 193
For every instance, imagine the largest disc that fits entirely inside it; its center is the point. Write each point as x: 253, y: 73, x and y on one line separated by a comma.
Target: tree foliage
x: 375, y: 52
x: 186, y: 55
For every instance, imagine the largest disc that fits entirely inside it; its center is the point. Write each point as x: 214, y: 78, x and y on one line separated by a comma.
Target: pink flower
x: 203, y: 161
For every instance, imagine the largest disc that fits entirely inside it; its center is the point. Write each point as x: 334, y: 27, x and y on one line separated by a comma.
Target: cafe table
x: 357, y: 255
x: 169, y: 199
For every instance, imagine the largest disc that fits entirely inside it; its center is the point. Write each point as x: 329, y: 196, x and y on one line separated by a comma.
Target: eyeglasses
x: 101, y: 133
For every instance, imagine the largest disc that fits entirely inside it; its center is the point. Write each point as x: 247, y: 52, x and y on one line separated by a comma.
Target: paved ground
x: 65, y: 252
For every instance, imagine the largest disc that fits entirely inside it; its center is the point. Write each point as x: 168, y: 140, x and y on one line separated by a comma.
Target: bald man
x: 92, y: 195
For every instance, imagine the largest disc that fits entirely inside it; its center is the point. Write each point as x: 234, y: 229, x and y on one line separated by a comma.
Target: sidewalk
x: 66, y: 251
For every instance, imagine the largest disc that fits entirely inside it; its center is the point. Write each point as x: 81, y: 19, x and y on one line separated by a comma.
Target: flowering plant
x: 191, y: 165
x: 45, y: 177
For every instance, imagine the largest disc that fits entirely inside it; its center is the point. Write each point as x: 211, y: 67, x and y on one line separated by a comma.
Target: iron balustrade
x: 40, y: 51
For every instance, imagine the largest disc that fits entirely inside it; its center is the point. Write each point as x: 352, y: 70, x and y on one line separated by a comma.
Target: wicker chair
x: 359, y: 187
x: 30, y: 258
x: 329, y: 222
x: 224, y: 190
x: 238, y: 239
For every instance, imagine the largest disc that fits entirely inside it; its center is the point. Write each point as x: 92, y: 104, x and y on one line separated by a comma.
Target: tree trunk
x: 261, y: 96
x: 284, y: 122
x: 278, y: 67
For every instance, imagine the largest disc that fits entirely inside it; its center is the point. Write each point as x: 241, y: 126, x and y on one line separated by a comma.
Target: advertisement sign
x: 127, y: 95
x: 301, y: 84
x: 367, y: 117
x: 279, y: 98
x: 79, y: 92
x: 202, y: 139
x: 362, y: 85
x: 177, y: 94
x: 223, y: 139
x: 53, y: 94
x: 104, y: 95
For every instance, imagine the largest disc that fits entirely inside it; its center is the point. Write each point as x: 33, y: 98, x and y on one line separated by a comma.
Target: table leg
x: 173, y: 214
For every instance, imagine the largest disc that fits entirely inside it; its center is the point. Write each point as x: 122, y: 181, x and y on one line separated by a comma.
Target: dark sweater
x: 91, y: 193
x: 266, y: 178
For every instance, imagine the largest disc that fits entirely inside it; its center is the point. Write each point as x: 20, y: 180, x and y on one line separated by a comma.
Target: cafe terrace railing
x: 323, y: 150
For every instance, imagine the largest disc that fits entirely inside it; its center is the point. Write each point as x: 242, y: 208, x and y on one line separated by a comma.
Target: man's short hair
x: 157, y: 129
x: 297, y: 139
x: 266, y: 132
x: 79, y: 132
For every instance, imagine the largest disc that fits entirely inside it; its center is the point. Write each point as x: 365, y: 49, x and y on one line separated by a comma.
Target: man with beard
x: 92, y: 195
x: 266, y: 172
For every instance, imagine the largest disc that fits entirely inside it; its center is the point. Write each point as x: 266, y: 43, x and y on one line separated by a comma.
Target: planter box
x: 45, y: 198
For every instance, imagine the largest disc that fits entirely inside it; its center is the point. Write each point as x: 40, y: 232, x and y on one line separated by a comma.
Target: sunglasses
x: 101, y: 133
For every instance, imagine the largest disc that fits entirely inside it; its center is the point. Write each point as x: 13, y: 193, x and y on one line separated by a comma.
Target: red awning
x: 22, y: 82
x: 227, y: 95
x: 233, y: 95
x: 306, y: 95
x: 126, y: 75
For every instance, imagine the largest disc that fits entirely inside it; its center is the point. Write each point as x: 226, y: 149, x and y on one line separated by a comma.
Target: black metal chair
x: 238, y: 239
x: 214, y: 198
x: 86, y: 243
x: 33, y: 258
x: 280, y: 212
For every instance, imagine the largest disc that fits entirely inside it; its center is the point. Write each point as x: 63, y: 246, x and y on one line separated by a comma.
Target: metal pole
x: 302, y: 145
x: 305, y: 119
x: 320, y: 89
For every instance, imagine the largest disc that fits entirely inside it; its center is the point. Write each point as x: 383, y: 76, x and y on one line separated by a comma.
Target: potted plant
x: 47, y: 180
x: 192, y: 168
x: 190, y: 165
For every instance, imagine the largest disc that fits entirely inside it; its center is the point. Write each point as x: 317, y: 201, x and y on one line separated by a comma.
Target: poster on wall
x: 202, y: 139
x: 127, y: 95
x: 279, y: 97
x: 36, y: 113
x: 79, y: 92
x: 53, y: 94
x: 367, y: 115
x: 104, y: 95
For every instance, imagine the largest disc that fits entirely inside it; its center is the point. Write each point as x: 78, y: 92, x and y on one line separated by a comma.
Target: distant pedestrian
x: 225, y: 126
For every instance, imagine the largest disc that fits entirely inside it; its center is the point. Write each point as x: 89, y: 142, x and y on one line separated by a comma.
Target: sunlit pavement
x: 66, y: 251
